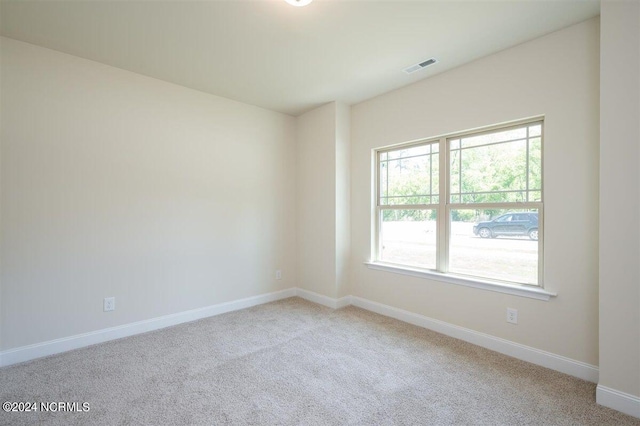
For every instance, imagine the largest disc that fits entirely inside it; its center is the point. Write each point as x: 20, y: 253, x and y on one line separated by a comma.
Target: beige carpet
x: 294, y: 362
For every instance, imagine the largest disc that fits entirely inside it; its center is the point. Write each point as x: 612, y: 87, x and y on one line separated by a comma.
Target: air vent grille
x: 421, y: 65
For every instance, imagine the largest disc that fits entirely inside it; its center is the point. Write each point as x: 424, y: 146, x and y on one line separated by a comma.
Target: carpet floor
x: 297, y: 363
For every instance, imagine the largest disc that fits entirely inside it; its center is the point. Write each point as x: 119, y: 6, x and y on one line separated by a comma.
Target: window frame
x: 444, y: 208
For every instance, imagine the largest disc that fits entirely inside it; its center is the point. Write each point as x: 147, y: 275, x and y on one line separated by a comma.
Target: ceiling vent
x: 421, y: 65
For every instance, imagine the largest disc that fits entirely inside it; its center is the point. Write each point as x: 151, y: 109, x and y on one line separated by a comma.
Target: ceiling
x: 284, y: 58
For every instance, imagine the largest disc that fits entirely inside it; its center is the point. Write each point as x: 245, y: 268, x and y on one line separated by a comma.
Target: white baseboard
x: 38, y: 350
x: 323, y: 300
x: 620, y: 401
x: 626, y: 403
x: 526, y: 353
x: 343, y: 301
x: 623, y: 402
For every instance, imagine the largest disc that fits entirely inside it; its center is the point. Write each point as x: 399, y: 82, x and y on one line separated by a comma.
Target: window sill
x: 513, y: 289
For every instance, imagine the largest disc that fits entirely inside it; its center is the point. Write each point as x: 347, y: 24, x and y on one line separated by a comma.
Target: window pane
x: 535, y: 196
x: 382, y: 171
x: 410, y: 176
x: 454, y: 174
x: 489, y: 169
x: 500, y: 136
x: 409, y: 152
x: 500, y: 167
x: 495, y: 244
x: 535, y: 130
x: 408, y: 237
x: 535, y: 165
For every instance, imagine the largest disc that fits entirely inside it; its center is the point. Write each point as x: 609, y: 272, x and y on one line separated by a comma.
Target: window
x: 466, y: 205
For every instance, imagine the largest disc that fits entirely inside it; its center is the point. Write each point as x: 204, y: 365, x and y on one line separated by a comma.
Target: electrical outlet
x: 512, y: 316
x: 278, y: 274
x: 109, y: 304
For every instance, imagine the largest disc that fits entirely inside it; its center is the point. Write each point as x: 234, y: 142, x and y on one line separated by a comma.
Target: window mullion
x: 409, y: 207
x: 377, y: 211
x: 442, y: 253
x: 486, y: 206
x: 527, y: 173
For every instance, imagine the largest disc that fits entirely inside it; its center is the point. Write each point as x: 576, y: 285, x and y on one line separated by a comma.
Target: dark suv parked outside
x: 516, y: 223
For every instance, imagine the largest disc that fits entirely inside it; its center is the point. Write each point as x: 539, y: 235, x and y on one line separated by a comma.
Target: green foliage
x: 463, y: 215
x: 410, y: 181
x: 490, y: 174
x: 409, y: 215
x: 481, y: 174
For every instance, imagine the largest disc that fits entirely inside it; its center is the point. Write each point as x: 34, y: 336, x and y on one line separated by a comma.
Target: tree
x: 494, y: 173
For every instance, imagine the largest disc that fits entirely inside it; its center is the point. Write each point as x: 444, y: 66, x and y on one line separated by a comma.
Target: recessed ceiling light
x: 299, y: 2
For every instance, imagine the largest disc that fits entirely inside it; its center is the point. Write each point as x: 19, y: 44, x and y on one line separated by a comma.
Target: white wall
x: 115, y: 184
x: 558, y: 76
x: 620, y: 198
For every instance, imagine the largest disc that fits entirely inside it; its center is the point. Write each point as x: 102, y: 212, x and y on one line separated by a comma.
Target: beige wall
x: 558, y: 76
x: 343, y: 198
x: 115, y: 184
x: 620, y: 197
x: 1, y: 126
x: 316, y: 200
x: 323, y: 199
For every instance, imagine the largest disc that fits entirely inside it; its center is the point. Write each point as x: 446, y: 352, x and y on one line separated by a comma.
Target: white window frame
x: 444, y: 208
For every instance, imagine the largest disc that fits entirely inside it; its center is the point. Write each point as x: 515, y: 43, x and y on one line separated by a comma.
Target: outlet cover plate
x: 109, y: 304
